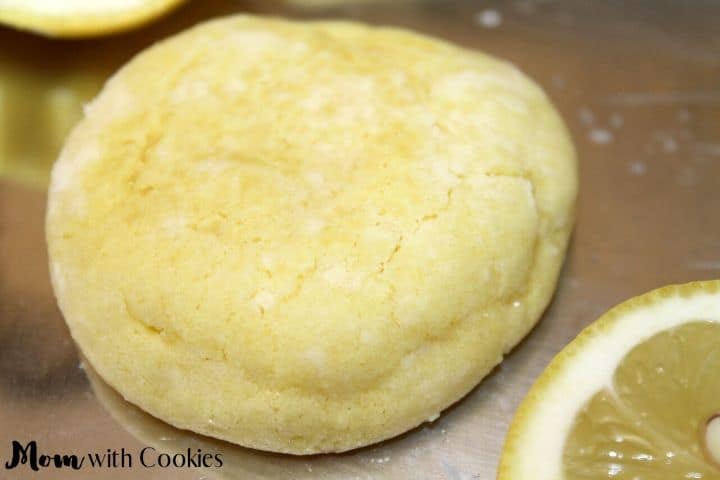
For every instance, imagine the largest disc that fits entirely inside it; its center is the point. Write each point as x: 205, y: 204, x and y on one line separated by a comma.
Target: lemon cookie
x: 307, y: 237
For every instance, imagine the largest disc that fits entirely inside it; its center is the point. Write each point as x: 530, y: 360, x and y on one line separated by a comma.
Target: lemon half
x: 635, y: 396
x: 81, y: 18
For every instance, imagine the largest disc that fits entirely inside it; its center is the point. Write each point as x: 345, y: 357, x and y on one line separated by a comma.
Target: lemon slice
x: 81, y: 18
x: 635, y: 396
x: 37, y: 113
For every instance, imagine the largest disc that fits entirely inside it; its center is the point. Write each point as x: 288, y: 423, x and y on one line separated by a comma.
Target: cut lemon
x: 37, y: 112
x: 81, y: 18
x: 635, y: 396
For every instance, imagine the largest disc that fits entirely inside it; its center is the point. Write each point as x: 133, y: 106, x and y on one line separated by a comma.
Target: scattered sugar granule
x: 638, y: 168
x: 586, y: 116
x: 669, y: 145
x: 558, y: 81
x: 601, y: 136
x: 489, y: 18
x: 616, y: 121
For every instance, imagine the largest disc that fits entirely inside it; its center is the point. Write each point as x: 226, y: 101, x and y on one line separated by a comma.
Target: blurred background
x: 638, y: 84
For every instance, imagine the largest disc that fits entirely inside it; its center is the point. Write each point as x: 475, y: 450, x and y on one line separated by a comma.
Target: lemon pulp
x: 659, y: 420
